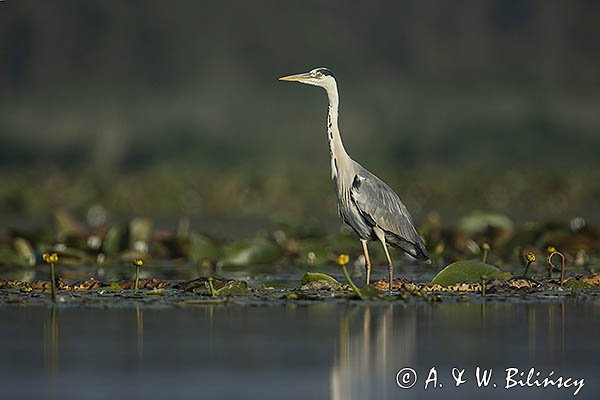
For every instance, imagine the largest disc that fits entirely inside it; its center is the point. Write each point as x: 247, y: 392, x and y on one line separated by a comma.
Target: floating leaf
x: 116, y: 240
x: 202, y: 248
x: 370, y: 292
x: 479, y: 222
x: 216, y: 286
x: 317, y: 276
x: 251, y: 251
x: 11, y: 258
x: 140, y: 233
x: 24, y: 249
x: 233, y: 288
x: 314, y: 252
x: 589, y: 282
x: 67, y: 225
x: 468, y: 271
x: 319, y: 281
x: 73, y: 256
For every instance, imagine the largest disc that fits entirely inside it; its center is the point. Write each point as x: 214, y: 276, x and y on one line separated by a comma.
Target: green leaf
x: 579, y: 284
x: 477, y: 222
x: 216, y: 286
x: 314, y: 252
x: 316, y: 281
x: 317, y: 276
x: 202, y: 248
x: 24, y: 249
x: 370, y: 292
x: 252, y: 251
x: 116, y: 240
x: 234, y: 288
x: 468, y: 271
x: 11, y: 258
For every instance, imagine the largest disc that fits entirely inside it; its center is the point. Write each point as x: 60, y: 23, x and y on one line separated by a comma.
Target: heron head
x: 317, y: 77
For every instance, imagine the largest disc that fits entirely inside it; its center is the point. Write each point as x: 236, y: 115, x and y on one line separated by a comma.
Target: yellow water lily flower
x: 342, y: 259
x: 530, y: 256
x: 50, y: 258
x: 138, y: 262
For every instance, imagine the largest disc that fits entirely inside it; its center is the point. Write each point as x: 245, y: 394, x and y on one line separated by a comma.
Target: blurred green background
x: 170, y: 108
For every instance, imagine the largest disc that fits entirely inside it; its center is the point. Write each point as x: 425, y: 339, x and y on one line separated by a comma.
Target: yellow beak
x: 294, y: 78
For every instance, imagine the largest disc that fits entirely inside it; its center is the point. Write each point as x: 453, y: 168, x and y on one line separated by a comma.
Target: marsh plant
x: 137, y: 263
x: 553, y: 252
x: 486, y: 250
x: 51, y: 259
x: 529, y: 259
x: 342, y: 260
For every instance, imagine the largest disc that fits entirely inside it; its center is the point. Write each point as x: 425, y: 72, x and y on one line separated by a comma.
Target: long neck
x: 336, y: 147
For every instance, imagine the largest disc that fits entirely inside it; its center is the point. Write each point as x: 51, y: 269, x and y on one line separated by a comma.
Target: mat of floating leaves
x: 196, y: 291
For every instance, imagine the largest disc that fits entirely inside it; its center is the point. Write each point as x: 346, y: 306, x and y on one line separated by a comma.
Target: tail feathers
x: 416, y: 250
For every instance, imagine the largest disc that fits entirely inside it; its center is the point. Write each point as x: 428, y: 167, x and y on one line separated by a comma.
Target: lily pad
x: 10, y: 257
x: 318, y: 276
x: 317, y: 280
x: 468, y: 271
x: 202, y: 248
x: 233, y: 288
x: 67, y: 225
x: 498, y: 226
x: 252, y: 251
x: 216, y: 286
x: 24, y: 249
x: 116, y: 240
x: 370, y: 292
x: 589, y: 282
x: 314, y: 252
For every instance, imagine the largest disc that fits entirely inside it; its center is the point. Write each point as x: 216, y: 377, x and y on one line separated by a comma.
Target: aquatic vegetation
x: 342, y: 260
x: 468, y: 271
x: 486, y: 249
x: 255, y: 251
x: 552, y: 250
x: 214, y: 287
x: 529, y: 259
x: 183, y: 265
x: 137, y: 263
x: 317, y: 280
x: 51, y: 259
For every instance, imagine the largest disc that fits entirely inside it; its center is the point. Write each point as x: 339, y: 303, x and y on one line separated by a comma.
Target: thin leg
x: 390, y: 265
x: 381, y: 236
x: 367, y: 260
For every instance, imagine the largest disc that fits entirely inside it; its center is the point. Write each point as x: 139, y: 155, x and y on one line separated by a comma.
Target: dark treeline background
x: 174, y: 106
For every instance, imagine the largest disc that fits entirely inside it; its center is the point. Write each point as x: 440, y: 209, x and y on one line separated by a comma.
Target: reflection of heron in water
x: 373, y: 343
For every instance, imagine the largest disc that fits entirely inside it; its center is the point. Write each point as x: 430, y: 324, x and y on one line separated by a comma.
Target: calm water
x: 321, y: 351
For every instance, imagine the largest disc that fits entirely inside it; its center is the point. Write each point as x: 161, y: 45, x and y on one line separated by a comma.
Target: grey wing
x: 380, y: 205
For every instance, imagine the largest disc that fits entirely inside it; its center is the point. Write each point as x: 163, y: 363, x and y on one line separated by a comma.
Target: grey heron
x: 369, y: 206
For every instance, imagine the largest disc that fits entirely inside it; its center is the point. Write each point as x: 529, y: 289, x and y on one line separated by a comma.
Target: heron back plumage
x: 380, y: 206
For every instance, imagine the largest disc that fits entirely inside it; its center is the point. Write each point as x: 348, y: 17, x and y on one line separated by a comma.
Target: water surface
x: 293, y: 351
